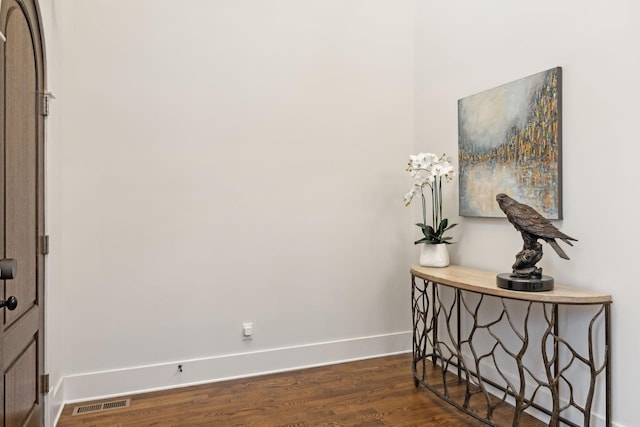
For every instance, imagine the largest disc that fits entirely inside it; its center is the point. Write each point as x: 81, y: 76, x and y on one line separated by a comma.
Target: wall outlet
x: 247, y: 329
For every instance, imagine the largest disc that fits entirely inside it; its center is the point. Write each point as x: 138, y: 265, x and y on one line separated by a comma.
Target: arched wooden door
x: 21, y: 213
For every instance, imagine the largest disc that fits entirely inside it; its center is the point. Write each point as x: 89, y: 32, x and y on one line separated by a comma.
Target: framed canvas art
x: 509, y: 142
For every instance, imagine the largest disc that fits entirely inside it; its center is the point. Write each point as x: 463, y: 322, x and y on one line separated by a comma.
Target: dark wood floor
x: 374, y: 392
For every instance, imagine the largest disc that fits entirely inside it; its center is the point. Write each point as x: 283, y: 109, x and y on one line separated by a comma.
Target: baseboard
x: 54, y: 404
x: 100, y: 385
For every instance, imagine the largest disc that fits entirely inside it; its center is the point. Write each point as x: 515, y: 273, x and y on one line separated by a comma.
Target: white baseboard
x: 107, y: 384
x: 54, y: 404
x: 100, y: 385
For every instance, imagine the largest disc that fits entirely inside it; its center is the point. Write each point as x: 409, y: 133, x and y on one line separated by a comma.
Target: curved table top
x: 484, y: 282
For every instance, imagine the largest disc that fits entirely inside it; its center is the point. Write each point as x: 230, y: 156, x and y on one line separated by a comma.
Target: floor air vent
x: 101, y: 407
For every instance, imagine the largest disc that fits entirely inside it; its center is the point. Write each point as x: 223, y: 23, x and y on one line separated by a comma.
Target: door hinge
x: 45, y: 383
x: 44, y: 245
x: 45, y: 105
x: 46, y: 97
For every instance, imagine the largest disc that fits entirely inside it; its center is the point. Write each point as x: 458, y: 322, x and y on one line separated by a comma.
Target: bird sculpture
x: 532, y: 226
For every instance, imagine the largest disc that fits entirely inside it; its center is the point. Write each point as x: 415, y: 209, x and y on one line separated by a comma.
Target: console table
x: 510, y: 350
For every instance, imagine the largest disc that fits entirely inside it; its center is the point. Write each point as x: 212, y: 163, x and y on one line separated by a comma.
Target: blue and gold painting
x: 509, y: 142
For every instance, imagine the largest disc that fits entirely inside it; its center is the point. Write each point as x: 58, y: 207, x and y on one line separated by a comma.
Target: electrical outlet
x: 247, y: 329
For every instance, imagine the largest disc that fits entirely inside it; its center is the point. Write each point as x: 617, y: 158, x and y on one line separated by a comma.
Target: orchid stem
x: 424, y: 208
x: 434, y: 212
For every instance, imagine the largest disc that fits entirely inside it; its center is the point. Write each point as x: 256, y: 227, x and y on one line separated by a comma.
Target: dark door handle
x: 11, y: 303
x: 8, y: 269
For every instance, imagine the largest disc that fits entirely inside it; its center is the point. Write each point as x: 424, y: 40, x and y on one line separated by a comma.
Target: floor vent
x: 101, y: 407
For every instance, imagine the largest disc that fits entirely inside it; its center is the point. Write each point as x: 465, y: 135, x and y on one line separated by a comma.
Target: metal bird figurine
x: 532, y: 226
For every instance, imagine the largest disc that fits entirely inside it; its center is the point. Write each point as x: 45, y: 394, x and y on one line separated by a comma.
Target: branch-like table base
x: 511, y: 348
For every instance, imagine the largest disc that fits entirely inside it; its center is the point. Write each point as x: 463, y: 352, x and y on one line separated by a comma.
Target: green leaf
x: 435, y: 236
x: 450, y: 227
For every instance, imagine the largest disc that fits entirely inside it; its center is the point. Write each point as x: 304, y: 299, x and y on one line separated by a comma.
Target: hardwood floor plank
x: 371, y: 393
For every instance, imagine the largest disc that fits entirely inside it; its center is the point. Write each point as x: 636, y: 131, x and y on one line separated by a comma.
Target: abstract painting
x: 509, y: 142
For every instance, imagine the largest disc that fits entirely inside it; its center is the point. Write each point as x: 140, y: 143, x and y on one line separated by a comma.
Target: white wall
x: 222, y: 162
x: 464, y: 47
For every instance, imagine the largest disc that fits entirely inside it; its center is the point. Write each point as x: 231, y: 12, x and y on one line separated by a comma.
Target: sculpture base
x: 506, y: 281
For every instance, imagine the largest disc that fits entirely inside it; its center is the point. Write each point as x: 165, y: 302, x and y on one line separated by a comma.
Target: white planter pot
x: 434, y: 255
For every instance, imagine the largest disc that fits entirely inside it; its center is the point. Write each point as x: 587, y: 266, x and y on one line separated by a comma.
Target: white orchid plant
x: 428, y: 170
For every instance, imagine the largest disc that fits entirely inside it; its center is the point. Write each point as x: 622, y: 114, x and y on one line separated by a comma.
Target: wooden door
x: 21, y: 213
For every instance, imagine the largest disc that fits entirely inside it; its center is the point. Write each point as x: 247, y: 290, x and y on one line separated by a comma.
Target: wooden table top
x: 484, y: 282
